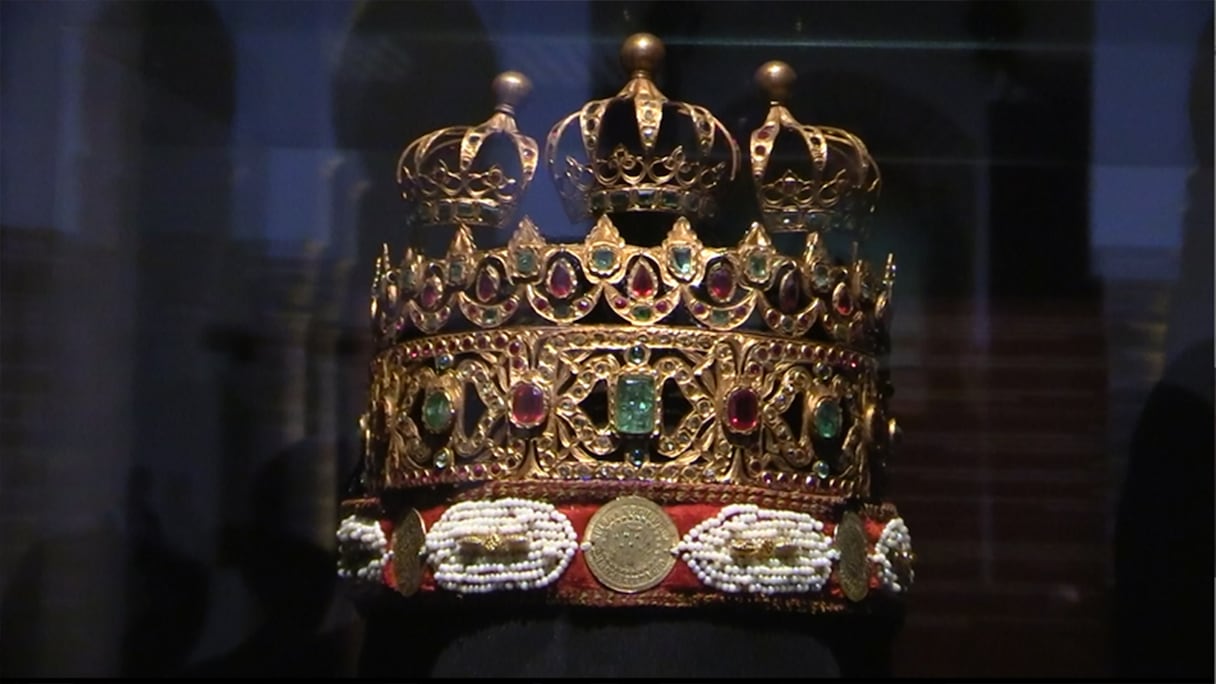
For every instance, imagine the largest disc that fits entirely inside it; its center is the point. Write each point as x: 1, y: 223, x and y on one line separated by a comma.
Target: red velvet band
x: 578, y: 586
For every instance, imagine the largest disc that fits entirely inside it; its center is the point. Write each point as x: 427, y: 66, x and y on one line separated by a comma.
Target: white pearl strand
x: 895, y: 539
x: 551, y: 544
x: 707, y: 550
x: 359, y: 538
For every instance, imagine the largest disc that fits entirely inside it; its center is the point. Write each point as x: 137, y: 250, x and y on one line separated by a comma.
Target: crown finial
x: 510, y: 88
x: 777, y: 79
x: 642, y: 52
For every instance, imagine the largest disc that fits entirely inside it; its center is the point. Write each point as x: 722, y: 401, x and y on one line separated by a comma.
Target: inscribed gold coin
x: 854, y: 569
x: 630, y: 542
x: 408, y: 538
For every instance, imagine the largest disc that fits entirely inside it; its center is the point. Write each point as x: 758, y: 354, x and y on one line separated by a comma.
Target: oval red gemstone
x: 540, y: 304
x: 527, y: 405
x: 720, y: 281
x: 487, y: 285
x: 844, y: 302
x: 742, y: 410
x: 641, y: 283
x: 561, y: 280
x: 787, y: 296
x: 429, y: 297
x: 662, y: 306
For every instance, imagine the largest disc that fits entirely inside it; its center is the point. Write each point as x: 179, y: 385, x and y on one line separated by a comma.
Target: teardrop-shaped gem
x: 561, y: 279
x: 720, y: 281
x: 787, y: 293
x: 842, y: 300
x: 429, y: 297
x: 642, y: 281
x: 487, y: 285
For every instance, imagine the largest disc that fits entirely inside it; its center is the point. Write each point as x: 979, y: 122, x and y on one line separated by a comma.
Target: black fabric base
x: 404, y: 641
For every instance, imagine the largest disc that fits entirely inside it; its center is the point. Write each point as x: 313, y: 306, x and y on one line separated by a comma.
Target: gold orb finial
x: 510, y: 88
x: 642, y: 52
x: 777, y: 79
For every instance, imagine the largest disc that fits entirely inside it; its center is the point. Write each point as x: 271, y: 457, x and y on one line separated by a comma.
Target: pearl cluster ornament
x: 362, y: 549
x: 745, y: 548
x: 482, y: 546
x: 895, y: 542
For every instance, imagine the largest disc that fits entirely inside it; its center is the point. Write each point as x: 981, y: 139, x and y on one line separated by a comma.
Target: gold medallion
x: 629, y: 544
x: 408, y: 537
x: 854, y: 569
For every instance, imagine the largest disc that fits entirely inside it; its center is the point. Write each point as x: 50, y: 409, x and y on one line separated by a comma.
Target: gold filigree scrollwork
x: 606, y: 402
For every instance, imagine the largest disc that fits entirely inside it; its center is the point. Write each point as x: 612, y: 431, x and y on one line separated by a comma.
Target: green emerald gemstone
x: 443, y: 458
x: 456, y: 272
x: 828, y: 418
x: 525, y: 261
x: 669, y: 200
x: 437, y: 411
x: 619, y: 199
x: 636, y: 354
x: 757, y: 267
x: 603, y: 259
x: 635, y: 405
x: 681, y: 260
x: 599, y: 202
x: 719, y: 317
x: 489, y: 316
x: 642, y: 313
x: 822, y: 469
x: 821, y: 277
x: 464, y: 210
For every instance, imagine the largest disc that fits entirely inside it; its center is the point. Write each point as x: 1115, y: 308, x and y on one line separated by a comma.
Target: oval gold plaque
x: 854, y: 567
x: 629, y: 544
x: 408, y: 537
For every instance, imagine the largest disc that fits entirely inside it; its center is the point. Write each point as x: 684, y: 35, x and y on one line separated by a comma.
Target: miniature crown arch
x: 446, y: 178
x: 842, y: 186
x: 652, y: 178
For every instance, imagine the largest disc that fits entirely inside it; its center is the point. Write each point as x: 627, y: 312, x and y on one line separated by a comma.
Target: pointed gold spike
x: 815, y: 250
x: 462, y: 242
x: 605, y: 232
x: 682, y: 231
x: 756, y: 236
x: 525, y: 234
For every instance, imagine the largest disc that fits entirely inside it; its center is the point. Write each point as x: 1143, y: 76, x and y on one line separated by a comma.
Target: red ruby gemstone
x: 561, y: 280
x: 720, y: 281
x: 787, y: 296
x: 487, y: 286
x: 844, y: 303
x: 540, y: 304
x: 642, y: 284
x: 429, y: 297
x: 662, y: 306
x: 527, y: 405
x: 742, y: 410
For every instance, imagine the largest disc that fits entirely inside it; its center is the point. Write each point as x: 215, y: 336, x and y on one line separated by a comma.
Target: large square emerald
x: 635, y: 405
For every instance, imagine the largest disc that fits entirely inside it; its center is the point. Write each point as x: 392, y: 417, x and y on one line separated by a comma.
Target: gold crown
x: 839, y: 187
x: 722, y: 407
x: 649, y: 171
x: 447, y: 179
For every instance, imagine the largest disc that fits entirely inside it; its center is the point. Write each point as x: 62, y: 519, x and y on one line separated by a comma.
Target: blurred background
x: 193, y: 192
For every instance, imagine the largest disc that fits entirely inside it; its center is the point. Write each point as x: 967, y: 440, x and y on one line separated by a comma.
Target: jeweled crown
x: 456, y: 176
x: 678, y: 374
x: 666, y: 156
